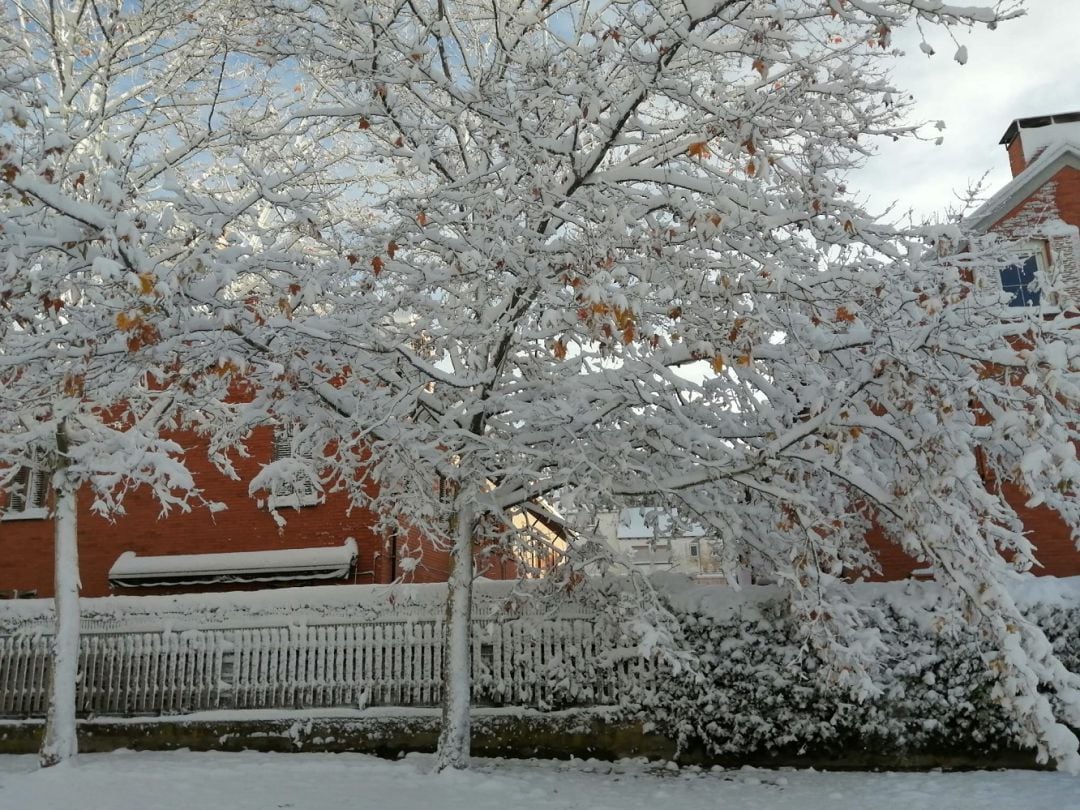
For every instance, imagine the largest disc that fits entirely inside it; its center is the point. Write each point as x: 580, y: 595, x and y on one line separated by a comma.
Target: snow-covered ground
x: 220, y: 781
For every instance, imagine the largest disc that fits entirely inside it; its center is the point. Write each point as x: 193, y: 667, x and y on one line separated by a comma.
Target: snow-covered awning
x: 279, y: 565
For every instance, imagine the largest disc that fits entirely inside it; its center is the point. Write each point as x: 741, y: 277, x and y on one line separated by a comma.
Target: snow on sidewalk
x: 183, y: 780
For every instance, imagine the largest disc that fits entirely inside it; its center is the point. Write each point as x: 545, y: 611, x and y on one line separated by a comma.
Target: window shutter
x: 39, y: 489
x: 283, y: 448
x: 283, y: 440
x: 17, y: 500
x: 305, y: 489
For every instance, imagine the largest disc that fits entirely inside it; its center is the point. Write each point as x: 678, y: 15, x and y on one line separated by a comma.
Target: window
x: 27, y: 495
x: 695, y: 550
x: 1018, y: 280
x: 300, y: 490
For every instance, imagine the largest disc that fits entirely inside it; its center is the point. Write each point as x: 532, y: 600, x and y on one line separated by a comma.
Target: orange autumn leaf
x: 845, y: 315
x: 364, y: 124
x: 146, y: 283
x: 698, y: 149
x: 717, y: 363
x: 222, y: 369
x: 377, y: 265
x: 421, y: 218
x: 74, y: 384
x: 125, y: 322
x: 559, y: 350
x: 760, y: 66
x: 140, y: 333
x: 391, y: 248
x: 736, y: 328
x: 743, y: 360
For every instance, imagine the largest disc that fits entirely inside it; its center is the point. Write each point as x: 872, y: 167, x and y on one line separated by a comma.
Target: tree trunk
x: 60, y: 742
x: 455, y: 736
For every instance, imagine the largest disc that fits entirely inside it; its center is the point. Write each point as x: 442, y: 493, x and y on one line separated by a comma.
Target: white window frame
x: 1019, y: 253
x: 33, y: 491
x: 286, y: 495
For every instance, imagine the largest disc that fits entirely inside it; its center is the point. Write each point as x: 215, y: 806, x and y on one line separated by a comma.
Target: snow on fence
x: 541, y: 661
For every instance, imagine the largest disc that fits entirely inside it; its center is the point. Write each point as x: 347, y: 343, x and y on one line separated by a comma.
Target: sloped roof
x: 640, y: 523
x: 1052, y: 160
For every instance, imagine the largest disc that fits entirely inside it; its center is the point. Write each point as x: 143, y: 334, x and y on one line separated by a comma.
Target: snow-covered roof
x: 645, y: 522
x: 288, y: 564
x: 1039, y: 171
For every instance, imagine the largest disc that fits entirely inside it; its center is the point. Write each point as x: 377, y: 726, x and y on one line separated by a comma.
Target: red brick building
x: 242, y: 546
x: 1038, y: 211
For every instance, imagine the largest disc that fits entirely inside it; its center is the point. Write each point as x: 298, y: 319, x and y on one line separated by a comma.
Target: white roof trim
x: 277, y: 565
x: 1038, y: 172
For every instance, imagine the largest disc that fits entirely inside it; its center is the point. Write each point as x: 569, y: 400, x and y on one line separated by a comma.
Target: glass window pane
x: 1016, y: 279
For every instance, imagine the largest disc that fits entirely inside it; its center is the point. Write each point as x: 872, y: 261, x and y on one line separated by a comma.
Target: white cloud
x: 1026, y: 67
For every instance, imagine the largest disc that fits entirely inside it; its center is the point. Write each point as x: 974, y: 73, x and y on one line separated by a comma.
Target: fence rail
x: 529, y: 661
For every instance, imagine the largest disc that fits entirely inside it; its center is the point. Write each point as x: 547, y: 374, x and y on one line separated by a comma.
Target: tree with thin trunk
x: 140, y: 167
x: 611, y: 259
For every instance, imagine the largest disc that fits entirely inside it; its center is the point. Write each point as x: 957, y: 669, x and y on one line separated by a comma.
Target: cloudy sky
x: 1029, y: 66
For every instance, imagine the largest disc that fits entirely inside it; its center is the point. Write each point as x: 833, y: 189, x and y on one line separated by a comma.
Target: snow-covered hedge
x: 752, y: 683
x: 756, y: 688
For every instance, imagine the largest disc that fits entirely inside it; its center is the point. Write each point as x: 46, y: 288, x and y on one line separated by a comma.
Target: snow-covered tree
x: 610, y: 259
x: 139, y: 161
x: 613, y: 260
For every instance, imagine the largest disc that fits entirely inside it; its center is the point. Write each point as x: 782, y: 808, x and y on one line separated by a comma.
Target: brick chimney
x: 1026, y: 138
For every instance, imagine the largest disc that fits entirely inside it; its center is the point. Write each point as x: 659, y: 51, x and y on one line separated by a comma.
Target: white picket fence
x: 535, y: 661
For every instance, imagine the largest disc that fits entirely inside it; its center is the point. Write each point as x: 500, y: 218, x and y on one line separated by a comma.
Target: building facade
x: 239, y: 547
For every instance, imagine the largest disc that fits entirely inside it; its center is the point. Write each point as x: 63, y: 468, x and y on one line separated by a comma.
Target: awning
x: 278, y: 565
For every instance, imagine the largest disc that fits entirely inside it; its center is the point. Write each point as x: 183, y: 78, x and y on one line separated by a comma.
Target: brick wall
x: 1016, y: 156
x: 26, y: 545
x: 1058, y: 199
